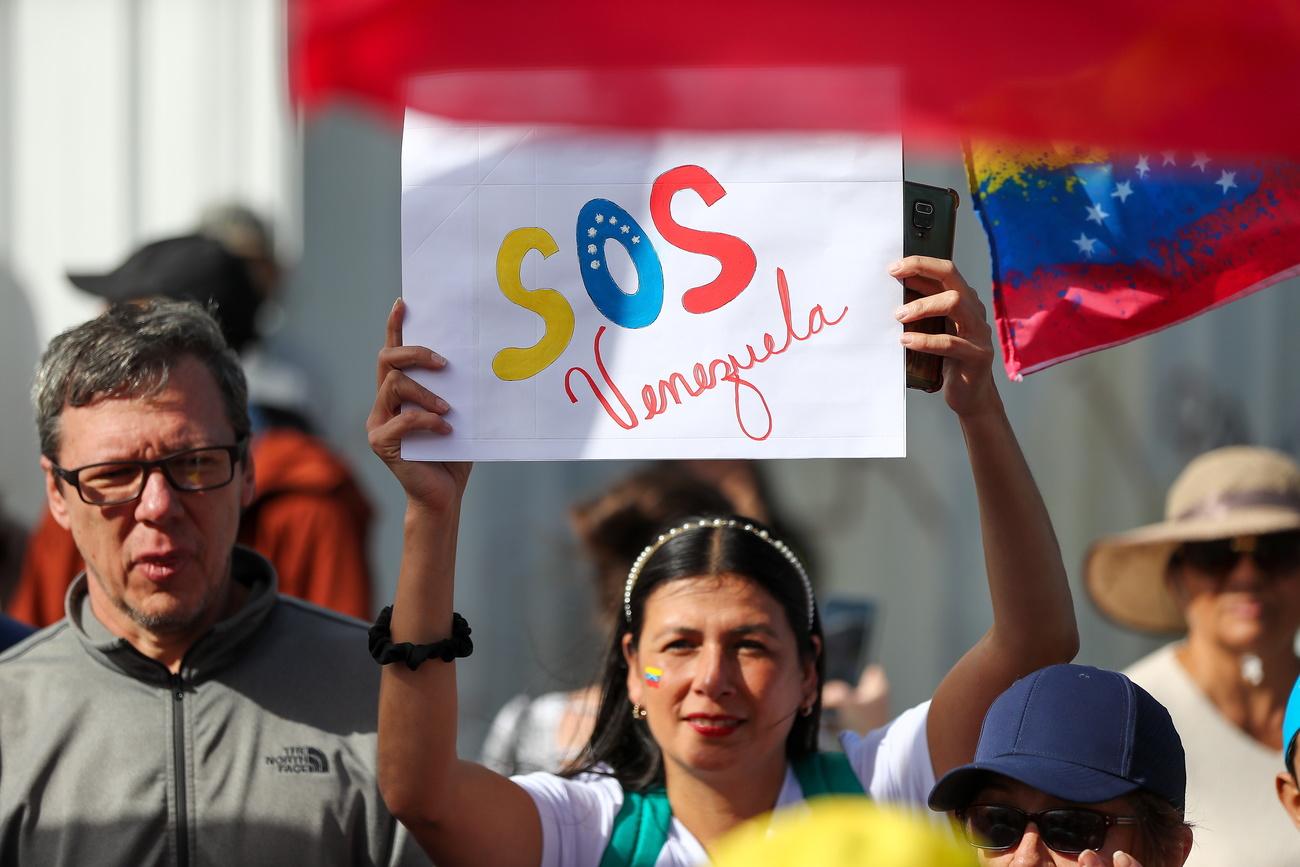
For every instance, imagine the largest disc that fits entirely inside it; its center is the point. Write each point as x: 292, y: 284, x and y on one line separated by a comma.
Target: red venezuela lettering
x: 705, y: 377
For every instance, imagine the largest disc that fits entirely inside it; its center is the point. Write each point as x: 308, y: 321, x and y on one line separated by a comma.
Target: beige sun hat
x: 1232, y: 491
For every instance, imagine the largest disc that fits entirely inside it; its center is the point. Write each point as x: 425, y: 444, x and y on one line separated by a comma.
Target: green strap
x: 640, y: 830
x: 827, y: 774
x: 641, y: 826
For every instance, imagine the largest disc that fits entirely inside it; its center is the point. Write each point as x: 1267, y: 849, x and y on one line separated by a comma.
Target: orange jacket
x: 309, y: 518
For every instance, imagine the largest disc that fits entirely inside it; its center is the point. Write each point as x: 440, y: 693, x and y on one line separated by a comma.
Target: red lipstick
x: 713, y: 725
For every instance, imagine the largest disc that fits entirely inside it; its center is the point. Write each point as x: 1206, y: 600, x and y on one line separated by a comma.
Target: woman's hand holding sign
x: 967, y: 347
x: 431, y: 484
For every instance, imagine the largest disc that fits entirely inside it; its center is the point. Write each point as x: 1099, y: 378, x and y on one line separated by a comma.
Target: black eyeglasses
x: 1272, y: 552
x: 117, y: 482
x: 1068, y: 830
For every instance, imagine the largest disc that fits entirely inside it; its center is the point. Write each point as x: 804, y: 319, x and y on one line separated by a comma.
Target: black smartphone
x: 929, y: 222
x: 848, y: 624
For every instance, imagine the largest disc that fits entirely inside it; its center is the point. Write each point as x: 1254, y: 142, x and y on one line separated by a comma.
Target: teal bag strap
x: 640, y: 830
x: 827, y: 774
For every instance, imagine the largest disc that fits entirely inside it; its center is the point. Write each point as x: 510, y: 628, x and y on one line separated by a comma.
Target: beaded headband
x: 780, y: 546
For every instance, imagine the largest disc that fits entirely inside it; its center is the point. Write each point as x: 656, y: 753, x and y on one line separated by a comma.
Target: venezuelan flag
x: 1093, y: 248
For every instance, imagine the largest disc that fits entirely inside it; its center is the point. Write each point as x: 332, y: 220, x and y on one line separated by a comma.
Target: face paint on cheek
x: 652, y: 676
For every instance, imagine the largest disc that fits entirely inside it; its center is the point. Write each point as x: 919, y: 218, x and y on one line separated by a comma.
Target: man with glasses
x: 1224, y: 566
x: 310, y: 518
x: 182, y: 712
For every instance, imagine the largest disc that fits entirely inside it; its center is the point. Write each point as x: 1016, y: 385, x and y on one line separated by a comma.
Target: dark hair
x: 1160, y: 828
x: 129, y: 351
x: 615, y: 526
x: 623, y: 747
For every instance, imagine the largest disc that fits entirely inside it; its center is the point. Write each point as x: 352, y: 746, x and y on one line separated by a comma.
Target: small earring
x: 806, y: 711
x: 638, y: 712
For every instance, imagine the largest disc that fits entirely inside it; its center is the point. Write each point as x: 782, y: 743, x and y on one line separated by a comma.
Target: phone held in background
x: 929, y: 221
x: 848, y: 624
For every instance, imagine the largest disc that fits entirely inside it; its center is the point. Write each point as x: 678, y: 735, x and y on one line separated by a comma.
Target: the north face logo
x: 300, y: 760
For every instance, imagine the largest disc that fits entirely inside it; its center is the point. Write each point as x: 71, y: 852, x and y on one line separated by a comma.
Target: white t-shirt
x: 892, y: 763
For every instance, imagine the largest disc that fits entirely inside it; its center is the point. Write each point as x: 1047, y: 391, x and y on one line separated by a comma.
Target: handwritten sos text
x: 601, y: 221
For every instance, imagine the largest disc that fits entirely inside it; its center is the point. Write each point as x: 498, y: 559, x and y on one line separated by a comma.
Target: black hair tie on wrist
x: 385, y: 651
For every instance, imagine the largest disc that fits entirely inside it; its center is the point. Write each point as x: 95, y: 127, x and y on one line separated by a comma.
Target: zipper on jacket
x: 178, y: 758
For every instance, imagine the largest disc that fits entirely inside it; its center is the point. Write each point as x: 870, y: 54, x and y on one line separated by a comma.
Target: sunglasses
x: 1272, y: 552
x: 1068, y: 830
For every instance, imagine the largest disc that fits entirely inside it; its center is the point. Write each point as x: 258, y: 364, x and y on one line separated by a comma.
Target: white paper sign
x: 656, y: 295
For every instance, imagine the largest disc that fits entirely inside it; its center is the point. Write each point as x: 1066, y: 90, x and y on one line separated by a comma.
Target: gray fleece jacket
x: 261, y: 750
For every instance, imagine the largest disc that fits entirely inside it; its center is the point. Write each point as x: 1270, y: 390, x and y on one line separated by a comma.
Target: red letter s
x: 736, y: 257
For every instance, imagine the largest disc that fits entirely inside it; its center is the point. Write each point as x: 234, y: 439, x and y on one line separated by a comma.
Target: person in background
x: 284, y: 389
x: 309, y: 516
x: 1224, y: 566
x: 1075, y: 765
x: 1288, y: 786
x: 182, y: 712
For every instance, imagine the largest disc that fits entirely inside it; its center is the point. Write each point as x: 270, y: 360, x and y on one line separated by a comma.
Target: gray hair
x: 129, y: 351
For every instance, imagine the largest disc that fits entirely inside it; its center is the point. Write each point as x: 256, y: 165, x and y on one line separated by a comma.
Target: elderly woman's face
x: 1240, y: 593
x: 1031, y: 849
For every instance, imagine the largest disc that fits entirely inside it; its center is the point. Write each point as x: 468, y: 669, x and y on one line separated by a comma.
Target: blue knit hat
x: 1077, y: 733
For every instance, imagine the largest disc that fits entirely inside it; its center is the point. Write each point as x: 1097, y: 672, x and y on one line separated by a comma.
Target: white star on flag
x: 1168, y: 158
x: 1201, y: 161
x: 1085, y: 244
x: 1143, y: 167
x: 1227, y: 180
x: 1122, y: 191
x: 1096, y: 214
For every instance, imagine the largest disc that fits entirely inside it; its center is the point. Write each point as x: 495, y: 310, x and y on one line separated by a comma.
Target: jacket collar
x: 215, y: 650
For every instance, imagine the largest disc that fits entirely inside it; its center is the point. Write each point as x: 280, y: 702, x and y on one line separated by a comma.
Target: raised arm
x: 459, y: 812
x: 1033, y: 614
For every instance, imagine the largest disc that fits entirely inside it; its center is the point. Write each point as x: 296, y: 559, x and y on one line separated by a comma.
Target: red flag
x: 1210, y: 74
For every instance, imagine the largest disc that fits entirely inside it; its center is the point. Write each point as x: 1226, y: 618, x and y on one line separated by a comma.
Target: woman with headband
x: 712, y: 686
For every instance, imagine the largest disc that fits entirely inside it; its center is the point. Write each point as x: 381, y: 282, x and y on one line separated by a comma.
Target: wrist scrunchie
x: 385, y: 651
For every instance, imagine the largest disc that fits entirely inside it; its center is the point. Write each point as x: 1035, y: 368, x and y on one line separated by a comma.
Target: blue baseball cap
x: 1290, y: 725
x: 1077, y: 733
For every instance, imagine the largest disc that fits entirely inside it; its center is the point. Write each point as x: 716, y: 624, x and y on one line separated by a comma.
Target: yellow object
x: 843, y: 832
x: 516, y: 363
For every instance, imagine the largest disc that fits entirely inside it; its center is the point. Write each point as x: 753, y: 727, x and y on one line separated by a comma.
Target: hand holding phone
x: 929, y: 224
